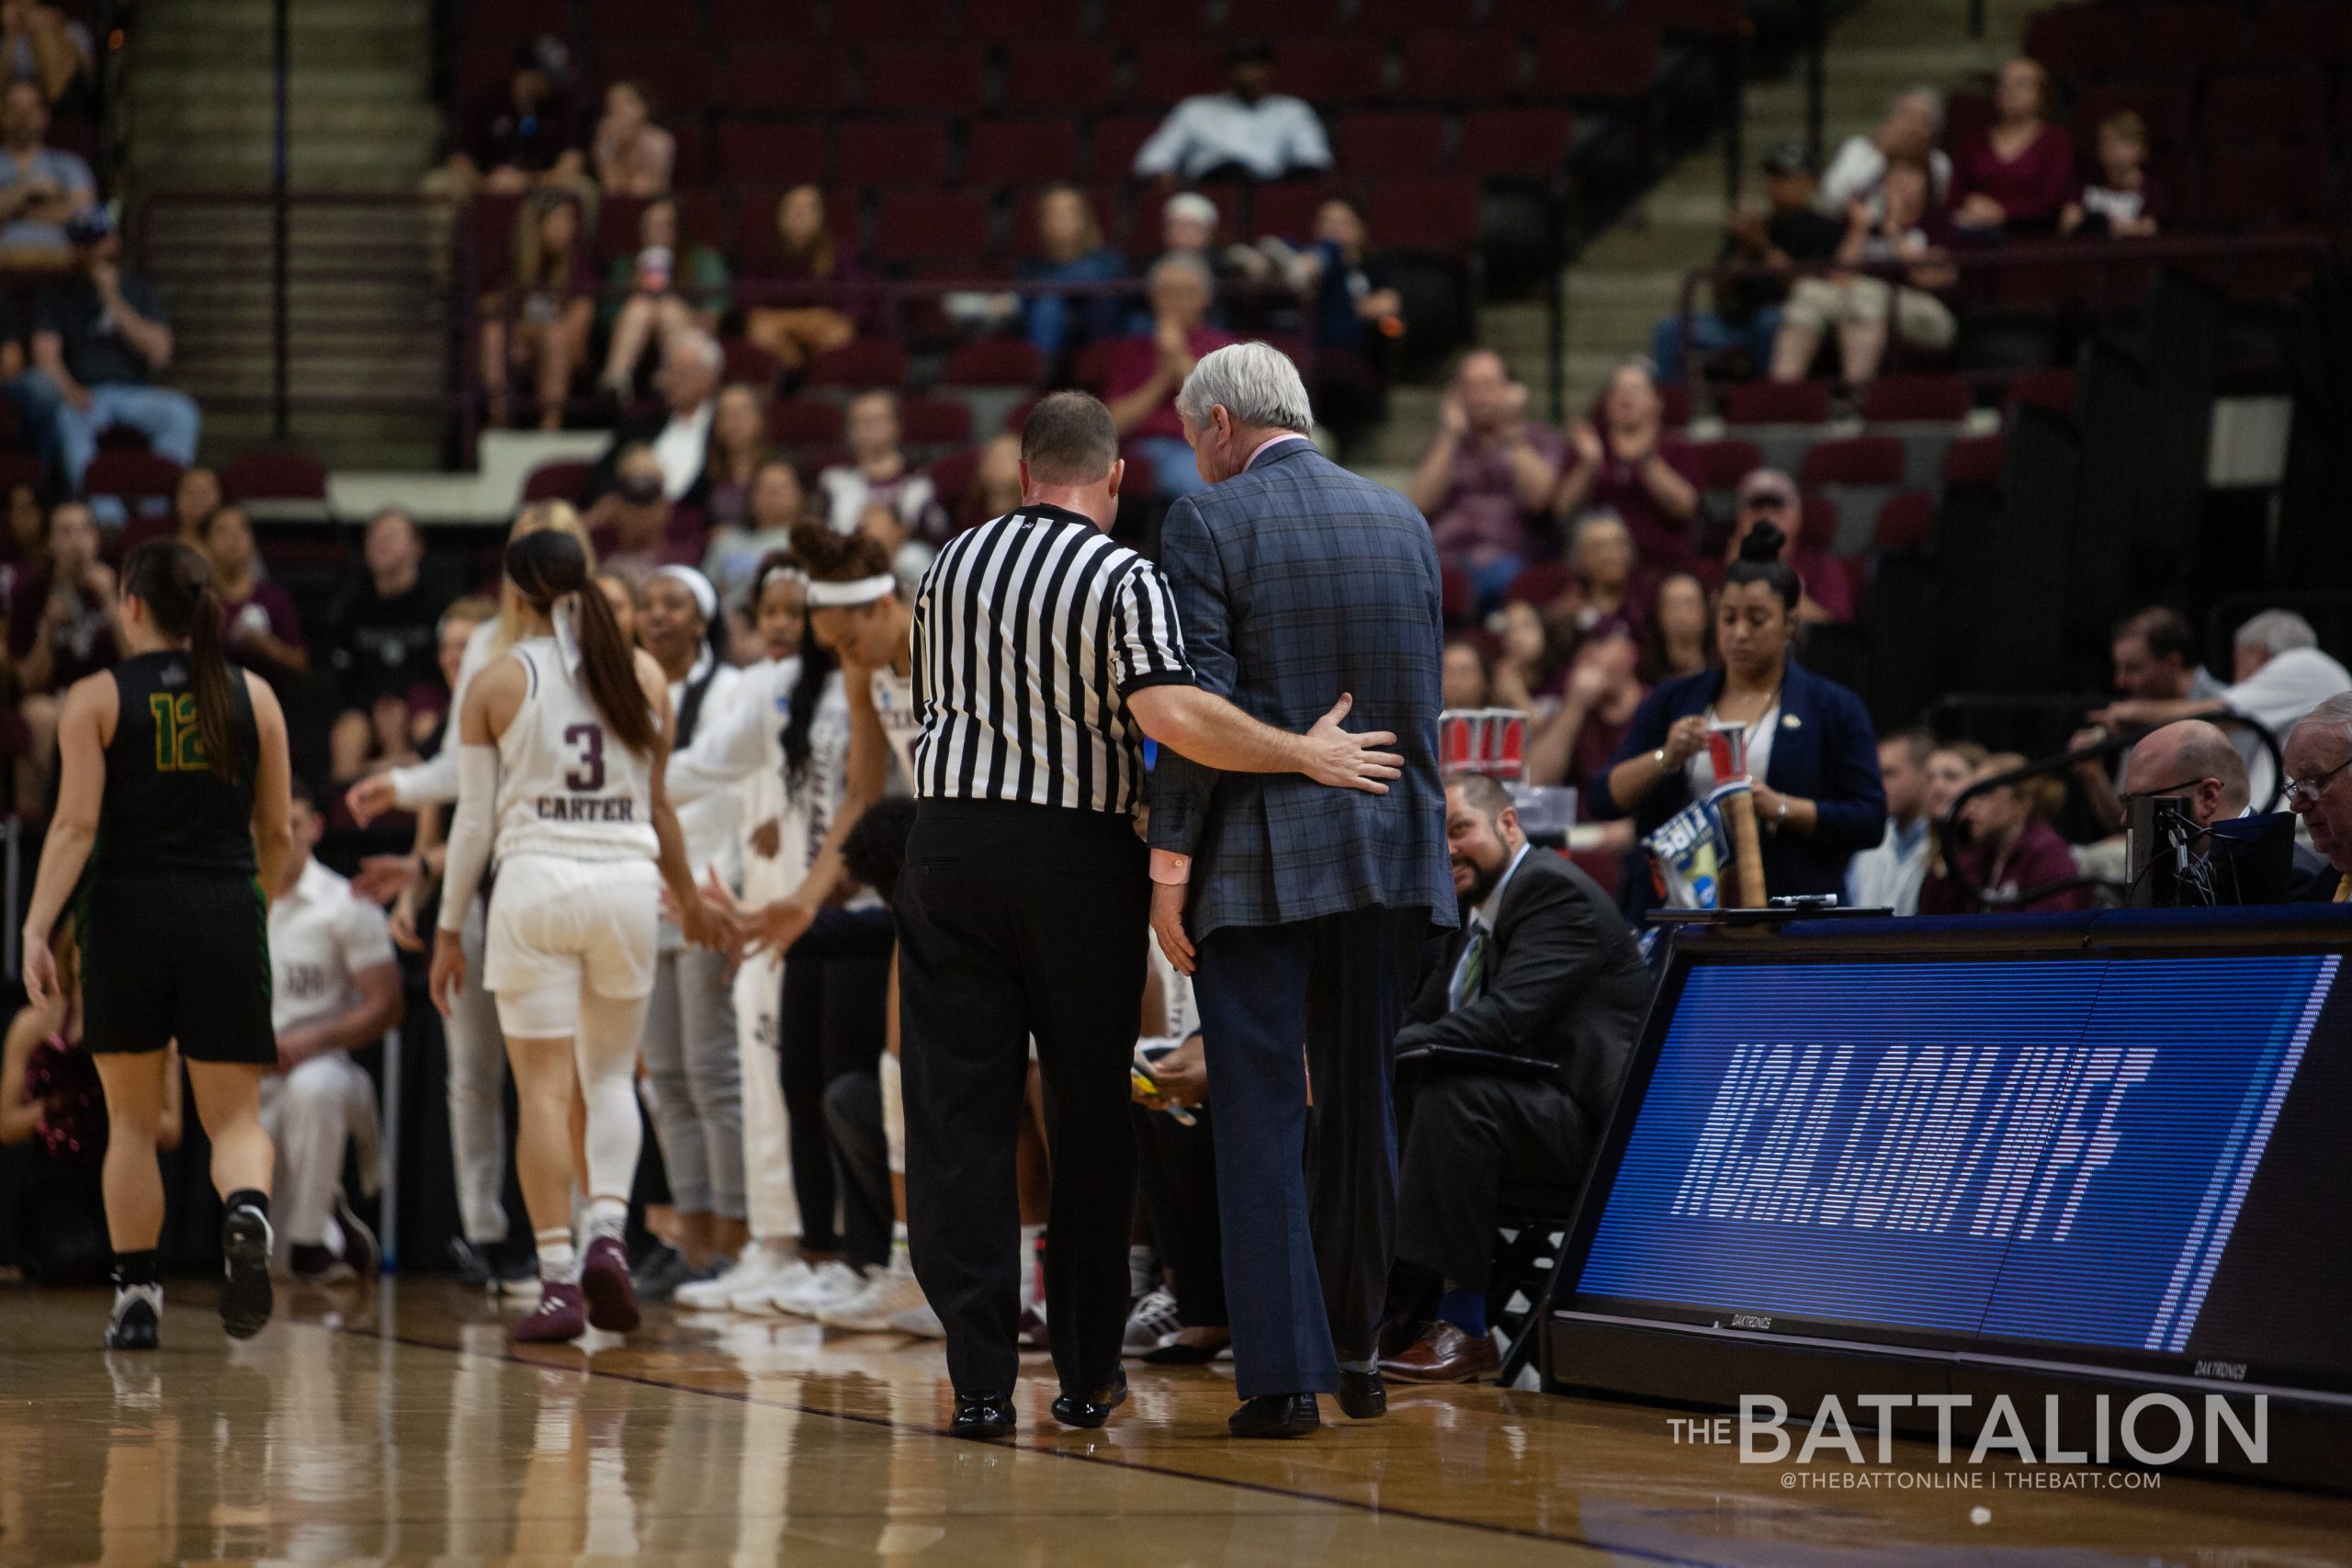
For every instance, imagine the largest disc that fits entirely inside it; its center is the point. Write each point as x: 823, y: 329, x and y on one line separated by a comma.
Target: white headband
x: 848, y: 595
x: 706, y: 596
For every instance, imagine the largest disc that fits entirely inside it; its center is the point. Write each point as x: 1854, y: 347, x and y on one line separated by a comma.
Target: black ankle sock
x: 134, y: 1269
x: 252, y: 1197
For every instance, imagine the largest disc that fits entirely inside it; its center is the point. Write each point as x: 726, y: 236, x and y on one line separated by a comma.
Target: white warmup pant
x: 477, y: 1060
x: 308, y: 1113
x: 768, y: 1200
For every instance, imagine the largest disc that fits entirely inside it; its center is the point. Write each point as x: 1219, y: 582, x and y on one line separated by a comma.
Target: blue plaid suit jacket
x: 1295, y: 582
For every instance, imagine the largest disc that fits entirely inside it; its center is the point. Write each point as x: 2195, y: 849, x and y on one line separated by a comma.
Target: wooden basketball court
x: 400, y: 1426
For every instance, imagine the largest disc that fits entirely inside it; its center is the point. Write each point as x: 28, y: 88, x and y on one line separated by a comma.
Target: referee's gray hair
x: 1255, y: 382
x: 2276, y: 631
x: 2335, y: 714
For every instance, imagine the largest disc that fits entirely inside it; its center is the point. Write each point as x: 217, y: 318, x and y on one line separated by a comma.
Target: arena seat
x: 945, y: 225
x: 1065, y: 76
x: 858, y: 366
x: 130, y: 477
x: 2163, y: 106
x: 274, y: 473
x: 752, y: 151
x: 924, y: 78
x: 2076, y: 40
x: 2054, y: 391
x: 762, y: 20
x: 2254, y: 186
x: 2299, y: 33
x: 748, y: 362
x: 2184, y: 38
x: 1283, y: 19
x: 1287, y: 210
x: 1916, y: 399
x: 1115, y: 140
x: 803, y: 422
x: 1777, y: 403
x: 1397, y: 143
x: 987, y: 20
x: 1604, y: 61
x: 1019, y: 152
x: 1533, y: 142
x: 1722, y: 463
x: 892, y: 153
x: 1392, y: 18
x: 565, y: 479
x: 771, y: 79
x: 993, y: 362
x: 1975, y: 461
x: 1333, y: 71
x: 2264, y: 109
x: 879, y: 21
x: 1854, y: 460
x: 1166, y: 72
x: 1424, y: 212
x: 1444, y: 68
x: 1172, y: 18
x: 1906, y: 521
x: 934, y: 422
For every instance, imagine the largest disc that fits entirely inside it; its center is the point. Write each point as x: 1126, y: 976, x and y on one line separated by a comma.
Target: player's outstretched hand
x: 775, y: 927
x: 1347, y: 761
x: 383, y: 879
x: 370, y: 798
x: 703, y: 918
x: 449, y: 974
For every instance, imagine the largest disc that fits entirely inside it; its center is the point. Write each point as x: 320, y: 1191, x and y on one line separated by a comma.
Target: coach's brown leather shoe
x: 1444, y: 1354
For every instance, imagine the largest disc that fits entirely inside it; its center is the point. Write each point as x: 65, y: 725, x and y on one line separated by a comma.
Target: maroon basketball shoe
x: 603, y: 1279
x: 558, y: 1318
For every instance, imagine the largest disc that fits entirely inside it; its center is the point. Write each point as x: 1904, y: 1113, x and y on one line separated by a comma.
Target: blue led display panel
x: 2058, y: 1152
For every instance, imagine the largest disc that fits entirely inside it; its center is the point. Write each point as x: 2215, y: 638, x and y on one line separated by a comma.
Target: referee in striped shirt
x: 1044, y: 654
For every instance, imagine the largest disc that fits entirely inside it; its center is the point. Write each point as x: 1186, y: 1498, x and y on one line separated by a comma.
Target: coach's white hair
x: 2276, y: 631
x: 1255, y: 382
x: 2335, y: 714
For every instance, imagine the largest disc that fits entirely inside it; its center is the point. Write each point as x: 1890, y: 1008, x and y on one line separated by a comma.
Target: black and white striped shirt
x: 1030, y: 632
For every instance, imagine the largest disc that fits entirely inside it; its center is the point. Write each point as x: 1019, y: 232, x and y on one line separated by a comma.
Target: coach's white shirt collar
x: 1270, y: 442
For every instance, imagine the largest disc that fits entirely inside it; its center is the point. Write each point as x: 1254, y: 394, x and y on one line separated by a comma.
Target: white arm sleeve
x: 470, y: 834
x: 433, y: 782
x: 728, y: 747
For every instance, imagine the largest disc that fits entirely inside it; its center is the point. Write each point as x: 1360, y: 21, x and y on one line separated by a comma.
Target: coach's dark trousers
x: 1309, y: 1201
x: 1016, y: 921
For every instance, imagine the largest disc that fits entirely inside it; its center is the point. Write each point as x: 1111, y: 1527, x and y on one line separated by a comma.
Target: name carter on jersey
x: 584, y: 808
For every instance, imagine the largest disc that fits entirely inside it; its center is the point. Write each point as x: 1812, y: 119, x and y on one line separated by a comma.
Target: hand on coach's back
x: 1344, y: 760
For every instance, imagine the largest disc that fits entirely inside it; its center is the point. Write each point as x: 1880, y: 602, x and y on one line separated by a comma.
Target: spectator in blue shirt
x: 41, y: 186
x: 1070, y: 250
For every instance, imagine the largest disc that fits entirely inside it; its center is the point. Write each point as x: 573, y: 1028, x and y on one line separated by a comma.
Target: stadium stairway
x: 1629, y: 278
x: 365, y: 309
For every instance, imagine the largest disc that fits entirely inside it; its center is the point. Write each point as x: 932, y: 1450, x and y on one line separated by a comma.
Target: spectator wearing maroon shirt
x: 1604, y: 690
x: 1624, y: 463
x: 60, y: 627
x: 2122, y: 201
x: 805, y: 256
x: 1770, y: 495
x: 2016, y: 177
x: 258, y: 627
x: 1147, y: 371
x: 1486, y: 477
x: 2012, y: 849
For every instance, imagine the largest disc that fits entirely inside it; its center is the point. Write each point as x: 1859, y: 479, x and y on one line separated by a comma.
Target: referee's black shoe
x: 1275, y: 1416
x: 1361, y: 1394
x: 982, y: 1416
x: 246, y: 1298
x: 1093, y: 1409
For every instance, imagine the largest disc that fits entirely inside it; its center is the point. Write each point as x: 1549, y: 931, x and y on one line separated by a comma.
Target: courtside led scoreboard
x: 2056, y: 1158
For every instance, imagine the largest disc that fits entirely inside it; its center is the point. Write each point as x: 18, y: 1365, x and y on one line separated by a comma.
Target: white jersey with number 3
x: 565, y: 784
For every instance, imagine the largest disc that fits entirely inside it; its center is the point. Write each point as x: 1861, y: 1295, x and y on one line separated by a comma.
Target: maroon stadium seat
x: 275, y: 473
x: 1090, y: 371
x: 1722, y: 463
x: 1708, y: 18
x: 1540, y: 583
x: 871, y: 21
x: 1287, y: 211
x: 757, y: 152
x: 870, y: 362
x: 1527, y: 16
x: 616, y: 220
x: 950, y: 476
x: 943, y: 225
x: 2299, y: 32
x: 1975, y: 460
x: 130, y: 477
x: 734, y: 21
x: 1167, y: 18
x: 990, y: 19
x: 2163, y: 105
x: 1418, y: 15
x: 1333, y: 70
x: 766, y: 79
x: 1615, y: 61
x: 1021, y: 152
x: 1531, y: 142
x: 509, y: 22
x: 1058, y: 77
x: 993, y: 362
x: 1777, y: 403
x: 1117, y: 142
x: 1854, y: 460
x: 2264, y: 109
x: 1893, y: 398
x: 629, y: 23
x: 748, y: 362
x: 677, y: 79
x: 2263, y: 186
x: 893, y: 152
x: 2078, y: 41
x: 1424, y: 213
x: 924, y: 78
x: 1458, y: 594
x: 2182, y: 40
x: 1392, y: 143
x: 566, y: 479
x: 2051, y: 391
x: 804, y: 422
x: 1905, y: 521
x: 1456, y: 68
x: 935, y: 422
x: 1281, y: 19
x: 1141, y: 471
x: 1817, y: 523
x: 1165, y: 73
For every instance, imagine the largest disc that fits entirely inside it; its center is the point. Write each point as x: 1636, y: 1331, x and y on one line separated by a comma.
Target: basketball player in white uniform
x: 563, y: 744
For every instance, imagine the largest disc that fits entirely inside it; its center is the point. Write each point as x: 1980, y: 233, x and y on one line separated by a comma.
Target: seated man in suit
x: 2195, y: 763
x: 1511, y: 1061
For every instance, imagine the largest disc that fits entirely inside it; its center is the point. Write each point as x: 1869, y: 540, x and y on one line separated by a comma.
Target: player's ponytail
x: 174, y: 582
x: 548, y: 565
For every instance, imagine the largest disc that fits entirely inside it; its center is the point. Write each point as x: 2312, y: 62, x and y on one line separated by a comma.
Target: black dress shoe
x: 1275, y: 1416
x: 1362, y: 1395
x: 982, y: 1416
x: 1092, y: 1410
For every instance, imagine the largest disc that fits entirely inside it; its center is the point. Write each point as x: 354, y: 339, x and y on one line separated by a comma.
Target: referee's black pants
x: 1017, y: 920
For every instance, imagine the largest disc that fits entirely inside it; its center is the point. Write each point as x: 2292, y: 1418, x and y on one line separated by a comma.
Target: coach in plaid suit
x: 1301, y: 910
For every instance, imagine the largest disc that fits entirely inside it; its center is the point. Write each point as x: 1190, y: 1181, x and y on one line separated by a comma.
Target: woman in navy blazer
x: 1818, y: 798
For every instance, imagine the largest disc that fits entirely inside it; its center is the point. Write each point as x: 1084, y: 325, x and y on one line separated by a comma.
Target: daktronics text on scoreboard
x: 2041, y: 1156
